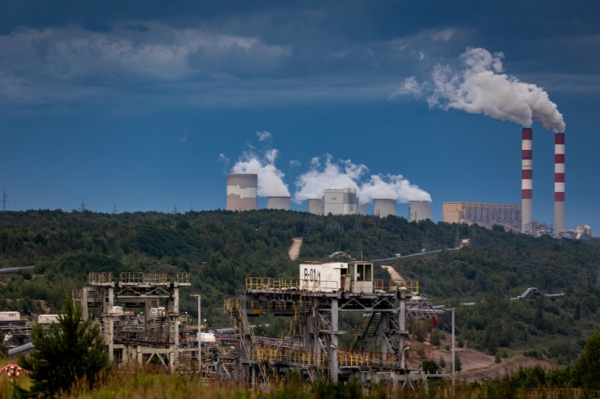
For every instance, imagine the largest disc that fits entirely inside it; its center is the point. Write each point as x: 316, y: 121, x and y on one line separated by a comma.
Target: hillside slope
x: 222, y: 248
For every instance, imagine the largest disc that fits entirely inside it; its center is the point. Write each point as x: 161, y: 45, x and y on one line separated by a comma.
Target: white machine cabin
x: 355, y: 277
x: 10, y: 316
x: 48, y: 319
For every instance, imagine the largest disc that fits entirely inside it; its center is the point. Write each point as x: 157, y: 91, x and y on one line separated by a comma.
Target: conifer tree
x: 68, y: 353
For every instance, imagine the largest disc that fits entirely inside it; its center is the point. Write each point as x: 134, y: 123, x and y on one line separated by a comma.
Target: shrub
x: 68, y: 353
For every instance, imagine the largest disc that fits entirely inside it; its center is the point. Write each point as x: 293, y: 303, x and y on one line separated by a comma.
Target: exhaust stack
x: 526, y: 180
x: 559, y: 183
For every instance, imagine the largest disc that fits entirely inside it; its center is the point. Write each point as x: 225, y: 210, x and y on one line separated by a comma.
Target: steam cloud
x: 313, y: 183
x: 481, y: 87
x: 391, y: 187
x: 270, y: 179
x: 345, y: 174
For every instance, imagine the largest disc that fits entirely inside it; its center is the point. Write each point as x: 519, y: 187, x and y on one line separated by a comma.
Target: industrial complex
x: 242, y: 191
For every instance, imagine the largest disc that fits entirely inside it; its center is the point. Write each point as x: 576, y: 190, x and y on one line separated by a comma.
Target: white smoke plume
x: 313, y: 183
x: 393, y: 187
x: 270, y: 179
x: 481, y: 87
x: 345, y: 174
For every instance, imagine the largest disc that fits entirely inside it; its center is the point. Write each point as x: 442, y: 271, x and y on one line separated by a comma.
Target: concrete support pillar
x: 109, y: 323
x: 383, y: 343
x: 333, y: 350
x: 402, y: 325
x: 84, y: 302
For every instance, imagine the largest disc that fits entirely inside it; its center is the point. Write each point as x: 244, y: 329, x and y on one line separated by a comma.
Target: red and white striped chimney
x: 526, y: 180
x: 559, y: 183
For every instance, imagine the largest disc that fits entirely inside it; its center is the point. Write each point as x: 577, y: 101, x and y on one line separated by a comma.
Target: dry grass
x: 145, y: 384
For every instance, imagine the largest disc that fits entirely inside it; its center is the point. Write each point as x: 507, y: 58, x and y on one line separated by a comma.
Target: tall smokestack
x: 526, y: 180
x: 559, y: 183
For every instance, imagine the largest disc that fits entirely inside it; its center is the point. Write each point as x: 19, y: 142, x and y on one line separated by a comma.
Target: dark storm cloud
x: 236, y: 52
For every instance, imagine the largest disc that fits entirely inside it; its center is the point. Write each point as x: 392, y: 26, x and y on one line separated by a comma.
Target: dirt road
x: 393, y: 273
x: 294, y: 251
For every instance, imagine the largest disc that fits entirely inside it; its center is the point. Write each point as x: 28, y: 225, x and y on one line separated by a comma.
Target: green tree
x: 586, y: 372
x: 68, y: 353
x: 457, y: 364
x: 429, y: 366
x: 3, y: 348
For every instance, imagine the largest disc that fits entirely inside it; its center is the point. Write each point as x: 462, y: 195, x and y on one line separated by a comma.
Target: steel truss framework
x: 154, y: 339
x: 376, y: 352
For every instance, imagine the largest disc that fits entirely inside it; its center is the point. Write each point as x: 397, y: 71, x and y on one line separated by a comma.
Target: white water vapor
x: 393, y: 187
x: 345, y: 174
x: 482, y: 87
x: 270, y: 179
x: 313, y: 183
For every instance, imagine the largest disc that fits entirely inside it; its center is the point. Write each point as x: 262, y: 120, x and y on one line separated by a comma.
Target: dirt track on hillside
x: 393, y: 273
x: 294, y: 251
x: 477, y: 366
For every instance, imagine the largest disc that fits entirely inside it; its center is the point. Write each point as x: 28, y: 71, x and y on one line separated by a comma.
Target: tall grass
x: 144, y: 384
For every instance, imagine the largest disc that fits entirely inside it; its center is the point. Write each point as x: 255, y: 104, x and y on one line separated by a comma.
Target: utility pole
x: 453, y: 355
x: 4, y: 201
x: 199, y: 332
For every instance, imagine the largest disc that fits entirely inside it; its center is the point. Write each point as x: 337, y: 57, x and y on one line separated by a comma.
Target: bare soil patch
x: 294, y: 251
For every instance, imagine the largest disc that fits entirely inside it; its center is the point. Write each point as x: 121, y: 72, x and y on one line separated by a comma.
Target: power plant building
x: 485, y: 215
x: 340, y: 202
x: 282, y: 203
x: 419, y: 210
x: 241, y: 191
x: 384, y: 207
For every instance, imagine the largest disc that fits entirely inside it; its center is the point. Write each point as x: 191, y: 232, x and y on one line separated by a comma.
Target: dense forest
x: 220, y: 249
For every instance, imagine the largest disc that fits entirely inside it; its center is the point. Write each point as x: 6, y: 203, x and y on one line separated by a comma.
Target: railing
x: 183, y: 278
x: 295, y: 283
x: 134, y: 278
x: 100, y: 277
x: 284, y: 283
x: 259, y: 283
x: 365, y: 358
x: 306, y: 357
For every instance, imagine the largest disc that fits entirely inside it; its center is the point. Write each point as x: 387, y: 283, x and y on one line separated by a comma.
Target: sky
x: 147, y: 105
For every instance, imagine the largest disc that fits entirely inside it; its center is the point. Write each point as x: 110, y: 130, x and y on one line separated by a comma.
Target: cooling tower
x: 315, y: 206
x: 419, y: 210
x: 362, y: 208
x: 282, y: 203
x: 241, y: 191
x: 559, y: 183
x: 526, y: 180
x: 384, y: 207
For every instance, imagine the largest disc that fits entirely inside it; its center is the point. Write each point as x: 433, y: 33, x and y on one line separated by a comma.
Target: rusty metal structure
x: 151, y: 336
x: 312, y: 348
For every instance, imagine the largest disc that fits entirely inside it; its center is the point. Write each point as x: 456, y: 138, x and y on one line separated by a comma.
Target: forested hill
x: 221, y: 248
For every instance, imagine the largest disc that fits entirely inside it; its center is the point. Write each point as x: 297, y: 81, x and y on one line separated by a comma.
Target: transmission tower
x: 114, y: 209
x: 584, y: 277
x: 4, y: 200
x: 456, y: 238
x: 425, y: 245
x: 82, y: 206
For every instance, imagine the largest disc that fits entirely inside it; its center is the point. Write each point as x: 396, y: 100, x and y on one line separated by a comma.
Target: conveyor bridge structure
x: 377, y: 352
x: 131, y: 339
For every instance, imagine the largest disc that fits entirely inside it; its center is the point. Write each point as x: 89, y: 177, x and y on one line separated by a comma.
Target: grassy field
x: 144, y: 384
